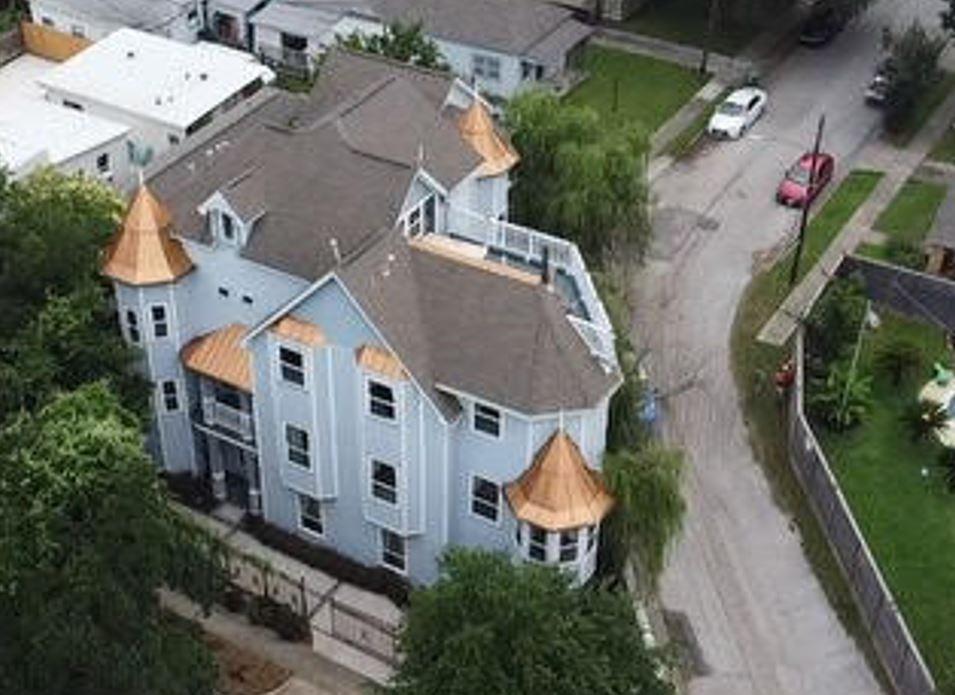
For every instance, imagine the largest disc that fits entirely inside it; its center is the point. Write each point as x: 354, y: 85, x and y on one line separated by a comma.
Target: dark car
x: 795, y: 190
x: 822, y: 27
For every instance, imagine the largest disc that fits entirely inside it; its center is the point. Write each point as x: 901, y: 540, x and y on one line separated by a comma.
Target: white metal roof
x: 34, y: 131
x: 156, y: 78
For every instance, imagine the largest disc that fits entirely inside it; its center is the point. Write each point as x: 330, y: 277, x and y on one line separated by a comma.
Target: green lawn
x: 923, y: 110
x: 754, y: 364
x: 908, y: 521
x: 910, y: 215
x: 944, y: 150
x: 685, y: 21
x: 634, y: 87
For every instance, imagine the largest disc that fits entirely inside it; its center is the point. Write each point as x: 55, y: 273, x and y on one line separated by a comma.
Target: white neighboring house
x: 35, y: 133
x: 502, y: 46
x: 180, y: 20
x: 165, y: 91
x: 227, y: 21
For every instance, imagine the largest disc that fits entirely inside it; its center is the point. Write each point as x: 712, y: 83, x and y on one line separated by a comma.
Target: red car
x: 794, y: 190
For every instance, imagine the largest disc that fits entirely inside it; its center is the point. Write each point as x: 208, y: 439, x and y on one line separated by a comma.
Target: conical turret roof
x: 143, y: 252
x: 559, y: 491
x: 477, y: 128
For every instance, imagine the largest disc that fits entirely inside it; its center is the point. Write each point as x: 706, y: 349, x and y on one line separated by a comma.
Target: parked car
x: 794, y: 190
x: 738, y: 112
x: 822, y: 27
x: 878, y: 87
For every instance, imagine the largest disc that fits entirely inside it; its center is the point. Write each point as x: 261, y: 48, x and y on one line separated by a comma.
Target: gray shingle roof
x: 475, y: 331
x: 328, y: 166
x: 148, y: 15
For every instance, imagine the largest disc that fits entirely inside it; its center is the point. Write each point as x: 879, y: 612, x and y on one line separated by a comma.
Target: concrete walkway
x: 898, y: 165
x: 314, y: 675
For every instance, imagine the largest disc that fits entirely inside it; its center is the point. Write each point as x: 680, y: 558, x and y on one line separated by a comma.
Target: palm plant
x: 843, y: 398
x: 925, y: 419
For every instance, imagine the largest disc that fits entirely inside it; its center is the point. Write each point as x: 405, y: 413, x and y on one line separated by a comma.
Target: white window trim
x: 153, y: 322
x: 381, y: 552
x: 161, y: 396
x: 321, y: 509
x: 371, y: 482
x: 306, y: 365
x: 286, y: 446
x: 367, y: 380
x: 471, y: 498
x: 546, y: 560
x: 500, y: 421
x: 419, y: 208
x: 579, y: 552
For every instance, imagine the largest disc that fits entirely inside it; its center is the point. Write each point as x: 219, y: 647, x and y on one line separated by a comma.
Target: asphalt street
x: 759, y: 617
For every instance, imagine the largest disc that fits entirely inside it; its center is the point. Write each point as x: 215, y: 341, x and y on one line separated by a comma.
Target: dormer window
x: 228, y: 228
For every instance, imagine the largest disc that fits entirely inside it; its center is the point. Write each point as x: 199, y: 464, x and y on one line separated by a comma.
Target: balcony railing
x: 288, y: 58
x: 216, y: 414
x: 528, y: 245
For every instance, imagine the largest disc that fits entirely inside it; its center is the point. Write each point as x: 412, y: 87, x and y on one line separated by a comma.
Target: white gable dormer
x: 225, y: 225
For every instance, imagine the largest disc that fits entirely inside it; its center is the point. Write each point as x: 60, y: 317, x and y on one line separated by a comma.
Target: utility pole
x: 794, y: 269
x: 711, y: 22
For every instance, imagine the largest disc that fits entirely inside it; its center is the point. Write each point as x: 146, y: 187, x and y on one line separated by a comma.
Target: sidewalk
x: 898, y: 165
x: 314, y: 675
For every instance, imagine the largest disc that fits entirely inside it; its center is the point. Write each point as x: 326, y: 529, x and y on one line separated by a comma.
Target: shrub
x: 924, y: 419
x: 833, y: 325
x: 279, y: 618
x: 842, y: 399
x: 899, y: 359
x: 904, y: 253
x: 191, y: 490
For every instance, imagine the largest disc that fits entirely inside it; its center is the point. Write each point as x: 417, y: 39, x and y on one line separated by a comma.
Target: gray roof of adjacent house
x: 307, y: 17
x: 456, y: 325
x: 331, y: 165
x: 147, y: 15
x: 509, y: 26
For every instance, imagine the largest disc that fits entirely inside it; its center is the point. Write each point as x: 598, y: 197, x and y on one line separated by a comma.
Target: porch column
x: 217, y: 469
x: 255, y: 488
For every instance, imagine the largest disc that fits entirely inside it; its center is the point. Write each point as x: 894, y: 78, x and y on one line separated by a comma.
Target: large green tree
x: 490, y: 627
x: 87, y: 537
x: 914, y: 55
x: 579, y: 177
x: 650, y: 507
x: 403, y: 42
x: 52, y: 230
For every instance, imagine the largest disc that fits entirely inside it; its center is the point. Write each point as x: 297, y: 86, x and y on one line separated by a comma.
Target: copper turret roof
x: 478, y: 130
x: 143, y: 252
x: 559, y: 491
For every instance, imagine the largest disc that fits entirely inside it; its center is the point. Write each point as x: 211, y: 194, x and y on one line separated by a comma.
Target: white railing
x: 528, y: 245
x: 219, y: 414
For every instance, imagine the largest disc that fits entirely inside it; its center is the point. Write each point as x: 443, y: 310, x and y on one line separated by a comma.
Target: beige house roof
x: 559, y: 491
x: 143, y: 252
x: 299, y: 330
x: 380, y: 361
x: 220, y: 355
x: 477, y: 128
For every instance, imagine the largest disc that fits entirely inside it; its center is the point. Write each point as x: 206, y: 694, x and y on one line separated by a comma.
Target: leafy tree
x: 947, y: 16
x: 403, y: 42
x: 834, y: 322
x: 913, y: 63
x: 490, y: 626
x: 843, y: 398
x: 71, y: 341
x: 87, y: 537
x: 52, y: 230
x: 650, y: 507
x: 925, y: 419
x: 578, y: 176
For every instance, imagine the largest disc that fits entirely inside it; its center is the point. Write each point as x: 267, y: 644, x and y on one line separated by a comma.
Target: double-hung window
x: 132, y: 326
x: 296, y: 440
x: 381, y: 400
x: 487, y: 420
x: 384, y: 481
x: 487, y: 67
x: 485, y: 498
x: 228, y: 227
x: 568, y: 545
x: 537, y: 546
x: 170, y: 396
x: 160, y: 322
x: 393, y: 551
x: 591, y: 537
x: 292, y: 366
x: 310, y: 515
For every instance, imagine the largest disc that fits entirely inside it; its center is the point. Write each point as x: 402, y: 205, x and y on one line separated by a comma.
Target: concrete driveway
x: 758, y: 614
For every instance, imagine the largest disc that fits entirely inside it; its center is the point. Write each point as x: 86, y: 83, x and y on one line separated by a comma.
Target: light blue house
x: 350, y: 340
